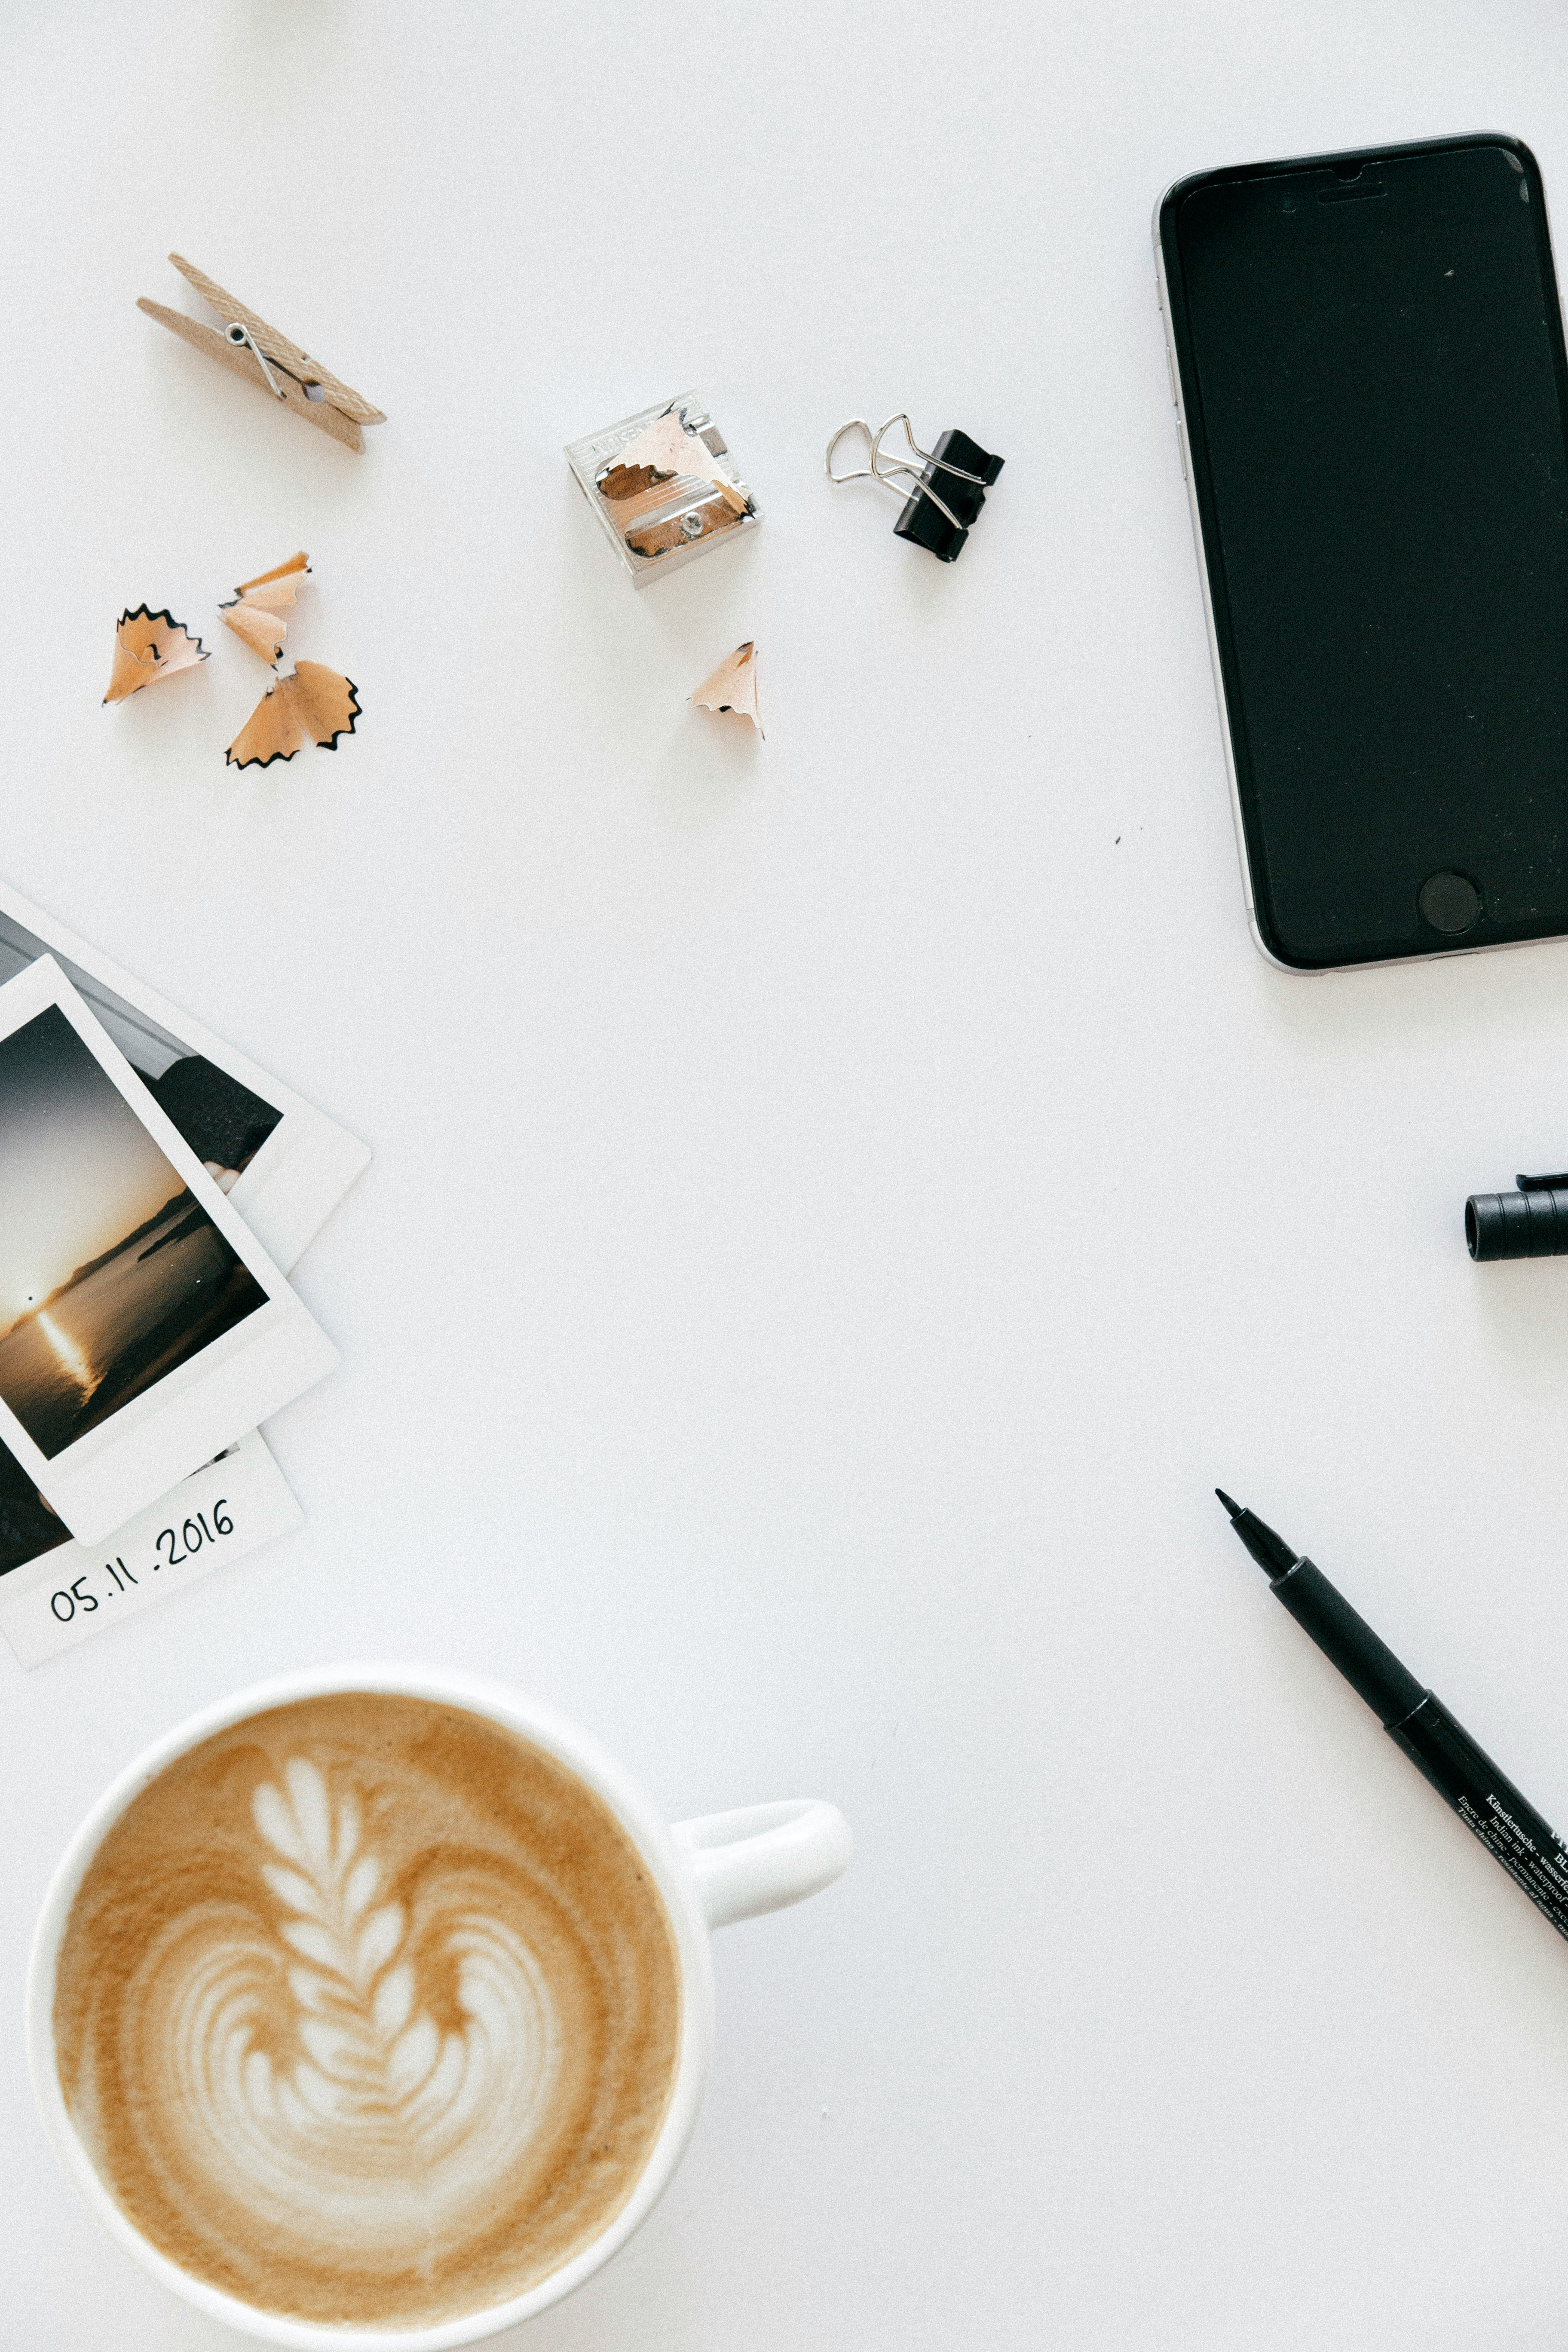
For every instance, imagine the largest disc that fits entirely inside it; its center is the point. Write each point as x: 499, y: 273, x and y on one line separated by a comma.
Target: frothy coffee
x: 367, y: 2012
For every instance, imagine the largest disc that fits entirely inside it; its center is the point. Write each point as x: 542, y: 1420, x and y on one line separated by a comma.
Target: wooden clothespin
x: 248, y: 347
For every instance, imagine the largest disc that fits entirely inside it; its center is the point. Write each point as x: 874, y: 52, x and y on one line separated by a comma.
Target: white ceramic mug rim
x: 600, y: 1771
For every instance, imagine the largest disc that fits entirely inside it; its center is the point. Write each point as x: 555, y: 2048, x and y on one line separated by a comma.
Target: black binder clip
x: 937, y: 518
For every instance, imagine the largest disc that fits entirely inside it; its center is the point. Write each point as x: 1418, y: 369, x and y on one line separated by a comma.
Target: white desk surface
x: 839, y: 1205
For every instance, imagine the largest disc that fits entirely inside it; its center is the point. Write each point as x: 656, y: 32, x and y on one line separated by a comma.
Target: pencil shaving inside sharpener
x: 663, y: 486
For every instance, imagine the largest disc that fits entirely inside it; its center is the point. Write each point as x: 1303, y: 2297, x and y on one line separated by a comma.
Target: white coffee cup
x: 723, y: 1867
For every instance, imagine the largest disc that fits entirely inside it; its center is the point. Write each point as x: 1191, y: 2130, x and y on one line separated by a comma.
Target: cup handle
x: 763, y: 1857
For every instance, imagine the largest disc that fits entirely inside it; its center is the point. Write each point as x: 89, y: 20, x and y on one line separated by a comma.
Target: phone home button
x: 1450, y: 903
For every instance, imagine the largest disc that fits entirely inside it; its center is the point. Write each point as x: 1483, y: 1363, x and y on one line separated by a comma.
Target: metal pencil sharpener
x: 664, y: 486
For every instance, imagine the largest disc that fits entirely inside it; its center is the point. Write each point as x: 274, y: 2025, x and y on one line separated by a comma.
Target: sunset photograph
x: 111, y: 1275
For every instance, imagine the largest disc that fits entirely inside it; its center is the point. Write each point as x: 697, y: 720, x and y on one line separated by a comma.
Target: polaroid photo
x: 142, y: 1327
x: 284, y: 1165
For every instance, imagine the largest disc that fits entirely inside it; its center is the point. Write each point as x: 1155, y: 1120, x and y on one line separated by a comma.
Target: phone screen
x: 1373, y: 379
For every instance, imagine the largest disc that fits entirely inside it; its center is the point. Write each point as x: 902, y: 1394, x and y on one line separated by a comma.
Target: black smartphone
x: 1371, y: 400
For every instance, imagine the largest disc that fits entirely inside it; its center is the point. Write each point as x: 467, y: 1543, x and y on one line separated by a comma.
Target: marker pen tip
x: 1271, y: 1552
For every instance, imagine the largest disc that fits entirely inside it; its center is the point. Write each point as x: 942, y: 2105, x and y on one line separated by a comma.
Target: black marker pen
x: 1507, y: 1824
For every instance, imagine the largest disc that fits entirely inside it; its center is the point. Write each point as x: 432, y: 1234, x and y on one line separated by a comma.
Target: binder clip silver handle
x: 884, y: 467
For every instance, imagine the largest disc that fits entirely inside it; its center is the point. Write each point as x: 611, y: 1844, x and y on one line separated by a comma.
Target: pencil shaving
x: 658, y: 455
x: 733, y: 686
x: 665, y: 452
x: 253, y: 611
x: 149, y: 645
x: 311, y: 705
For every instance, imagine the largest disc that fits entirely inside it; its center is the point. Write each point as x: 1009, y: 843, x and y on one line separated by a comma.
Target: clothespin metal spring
x: 240, y: 335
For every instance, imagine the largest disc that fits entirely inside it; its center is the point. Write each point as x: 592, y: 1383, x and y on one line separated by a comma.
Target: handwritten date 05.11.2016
x: 196, y: 1531
x: 229, y: 1507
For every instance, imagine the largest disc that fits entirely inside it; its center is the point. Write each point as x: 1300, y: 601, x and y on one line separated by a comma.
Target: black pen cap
x: 1530, y: 1222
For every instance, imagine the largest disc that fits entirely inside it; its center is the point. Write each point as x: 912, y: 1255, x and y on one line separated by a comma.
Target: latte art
x: 386, y: 2130
x: 367, y: 2012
